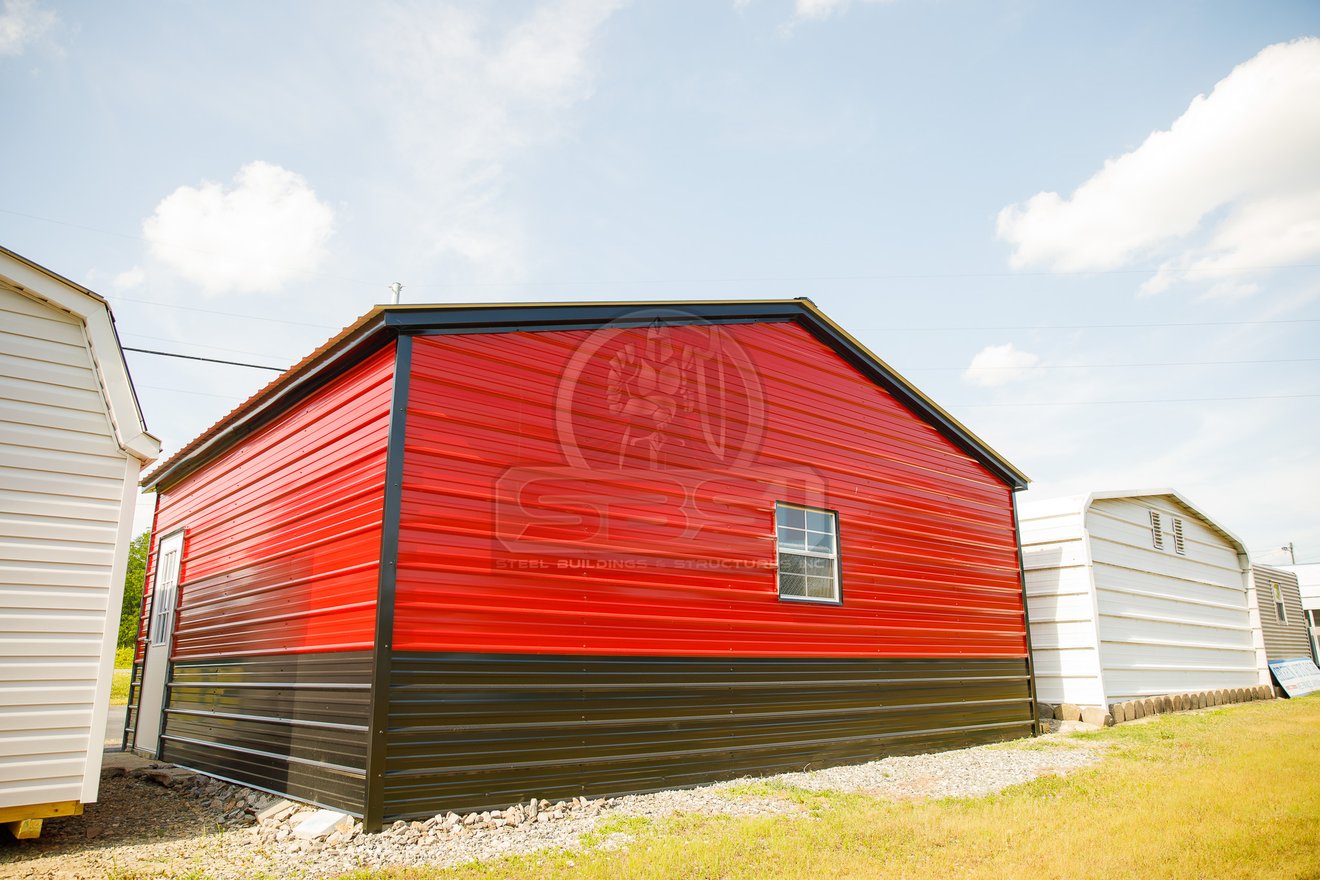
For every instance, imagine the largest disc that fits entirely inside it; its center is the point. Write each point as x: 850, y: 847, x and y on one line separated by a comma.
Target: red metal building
x: 461, y: 555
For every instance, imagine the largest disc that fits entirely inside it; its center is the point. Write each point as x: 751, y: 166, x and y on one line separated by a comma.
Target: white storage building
x: 72, y: 443
x: 1136, y: 594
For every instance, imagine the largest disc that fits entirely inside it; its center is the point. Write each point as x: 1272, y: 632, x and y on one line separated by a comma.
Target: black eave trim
x: 373, y: 807
x: 429, y: 320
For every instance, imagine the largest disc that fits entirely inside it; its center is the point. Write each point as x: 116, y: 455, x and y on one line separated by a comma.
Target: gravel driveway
x: 201, y: 825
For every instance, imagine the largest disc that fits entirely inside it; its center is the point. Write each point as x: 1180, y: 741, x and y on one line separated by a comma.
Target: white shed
x: 72, y: 443
x: 1136, y: 594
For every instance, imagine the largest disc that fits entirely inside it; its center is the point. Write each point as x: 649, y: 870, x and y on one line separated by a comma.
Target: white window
x: 1279, y: 611
x: 1156, y: 530
x: 807, y: 541
x: 167, y: 581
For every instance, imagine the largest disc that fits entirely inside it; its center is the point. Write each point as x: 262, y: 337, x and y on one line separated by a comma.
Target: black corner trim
x: 1026, y: 622
x: 373, y: 807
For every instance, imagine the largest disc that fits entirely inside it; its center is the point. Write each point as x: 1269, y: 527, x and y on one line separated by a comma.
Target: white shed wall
x: 1169, y: 623
x: 66, y: 491
x: 1060, y: 603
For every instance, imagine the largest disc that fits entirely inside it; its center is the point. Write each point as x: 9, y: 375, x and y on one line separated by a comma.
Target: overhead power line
x: 1107, y: 366
x: 193, y: 357
x: 1114, y: 402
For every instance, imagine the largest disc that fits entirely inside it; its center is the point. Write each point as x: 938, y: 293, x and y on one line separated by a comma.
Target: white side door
x: 160, y: 635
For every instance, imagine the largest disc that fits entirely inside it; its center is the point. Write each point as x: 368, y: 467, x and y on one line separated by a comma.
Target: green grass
x: 119, y: 687
x: 1230, y: 793
x: 122, y: 674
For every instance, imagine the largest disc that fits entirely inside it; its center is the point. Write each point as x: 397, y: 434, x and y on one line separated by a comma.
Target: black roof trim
x: 384, y: 323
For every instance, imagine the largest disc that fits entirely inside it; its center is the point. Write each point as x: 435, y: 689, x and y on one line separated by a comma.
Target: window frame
x: 164, y: 602
x: 836, y: 557
x: 1280, y: 608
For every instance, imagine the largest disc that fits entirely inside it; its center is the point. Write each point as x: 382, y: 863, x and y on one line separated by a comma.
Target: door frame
x: 174, y: 536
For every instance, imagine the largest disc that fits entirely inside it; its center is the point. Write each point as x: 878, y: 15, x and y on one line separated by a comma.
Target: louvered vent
x: 1156, y: 530
x: 1178, y: 546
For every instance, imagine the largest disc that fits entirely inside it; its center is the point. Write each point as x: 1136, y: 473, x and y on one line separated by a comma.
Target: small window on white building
x: 1156, y: 530
x: 807, y: 543
x: 1279, y: 611
x: 1178, y: 546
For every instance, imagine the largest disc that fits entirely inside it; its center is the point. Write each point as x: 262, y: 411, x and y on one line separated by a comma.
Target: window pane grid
x: 807, y: 541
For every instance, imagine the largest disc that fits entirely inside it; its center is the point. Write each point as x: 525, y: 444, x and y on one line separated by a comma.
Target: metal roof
x: 385, y: 322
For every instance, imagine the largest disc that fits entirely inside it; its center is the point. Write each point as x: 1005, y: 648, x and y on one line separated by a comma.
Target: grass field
x: 1227, y: 793
x: 122, y: 674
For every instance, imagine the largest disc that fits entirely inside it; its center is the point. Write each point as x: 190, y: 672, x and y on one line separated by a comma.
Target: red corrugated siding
x: 283, y: 532
x: 682, y: 561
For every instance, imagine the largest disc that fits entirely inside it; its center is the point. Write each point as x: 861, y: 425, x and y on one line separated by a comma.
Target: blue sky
x: 1090, y: 231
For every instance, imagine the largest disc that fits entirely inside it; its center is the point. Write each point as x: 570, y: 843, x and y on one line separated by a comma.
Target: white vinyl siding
x: 1060, y: 605
x: 63, y: 483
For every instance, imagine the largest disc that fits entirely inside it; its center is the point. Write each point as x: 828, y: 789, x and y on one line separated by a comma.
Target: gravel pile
x: 970, y: 772
x: 162, y: 821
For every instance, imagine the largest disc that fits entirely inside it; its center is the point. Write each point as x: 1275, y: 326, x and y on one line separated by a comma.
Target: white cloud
x: 1232, y: 185
x: 819, y: 10
x: 999, y: 365
x: 129, y: 279
x: 21, y: 22
x: 266, y: 229
x: 467, y: 98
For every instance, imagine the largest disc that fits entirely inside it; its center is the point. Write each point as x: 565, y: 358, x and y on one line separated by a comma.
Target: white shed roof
x: 93, y: 311
x: 1080, y: 504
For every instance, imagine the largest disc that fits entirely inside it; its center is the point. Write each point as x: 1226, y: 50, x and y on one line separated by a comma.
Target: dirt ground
x: 136, y: 825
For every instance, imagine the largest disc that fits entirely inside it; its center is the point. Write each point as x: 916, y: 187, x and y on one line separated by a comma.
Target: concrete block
x: 323, y: 823
x: 1149, y: 705
x: 1069, y: 712
x: 1119, y: 713
x: 1136, y: 709
x: 1046, y: 711
x: 1098, y: 717
x: 276, y: 811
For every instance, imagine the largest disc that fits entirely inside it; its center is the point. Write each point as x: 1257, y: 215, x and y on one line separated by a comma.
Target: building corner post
x: 373, y: 807
x: 1026, y: 618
